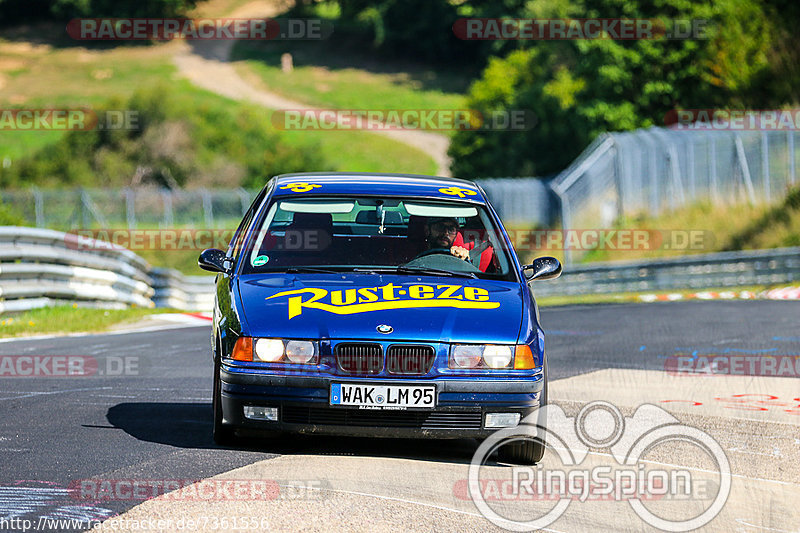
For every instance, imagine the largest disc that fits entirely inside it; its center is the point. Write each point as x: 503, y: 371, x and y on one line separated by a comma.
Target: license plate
x: 383, y: 396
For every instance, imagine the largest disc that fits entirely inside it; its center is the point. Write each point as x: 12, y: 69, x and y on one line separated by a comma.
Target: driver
x: 441, y: 232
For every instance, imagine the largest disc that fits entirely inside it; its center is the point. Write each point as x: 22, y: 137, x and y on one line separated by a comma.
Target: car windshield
x: 404, y: 235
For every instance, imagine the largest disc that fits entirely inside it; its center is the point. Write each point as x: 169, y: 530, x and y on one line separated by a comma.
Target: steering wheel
x: 432, y: 251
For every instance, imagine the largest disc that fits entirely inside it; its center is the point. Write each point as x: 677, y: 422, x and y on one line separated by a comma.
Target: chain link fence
x: 656, y: 170
x: 525, y: 203
x: 67, y: 209
x: 620, y: 174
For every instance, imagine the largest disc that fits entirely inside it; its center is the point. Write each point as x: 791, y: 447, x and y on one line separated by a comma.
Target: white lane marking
x: 173, y: 398
x: 19, y: 501
x: 47, y: 393
x: 741, y: 521
x: 403, y: 500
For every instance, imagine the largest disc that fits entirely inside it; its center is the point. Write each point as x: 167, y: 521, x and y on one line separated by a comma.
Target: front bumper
x: 303, y: 405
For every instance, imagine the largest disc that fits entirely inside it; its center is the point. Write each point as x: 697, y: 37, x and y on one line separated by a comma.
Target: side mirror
x: 213, y: 260
x: 542, y: 268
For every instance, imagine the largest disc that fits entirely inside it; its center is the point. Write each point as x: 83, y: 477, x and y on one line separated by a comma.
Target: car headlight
x: 269, y: 350
x: 300, y: 352
x: 466, y: 356
x: 286, y: 351
x: 493, y: 356
x: 497, y: 356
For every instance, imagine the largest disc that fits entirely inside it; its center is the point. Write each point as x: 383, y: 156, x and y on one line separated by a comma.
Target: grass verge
x: 70, y: 319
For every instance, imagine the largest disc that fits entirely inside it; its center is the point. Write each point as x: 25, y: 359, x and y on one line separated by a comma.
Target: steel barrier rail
x: 718, y: 270
x: 41, y: 267
x: 22, y: 272
x: 72, y: 242
x: 173, y: 289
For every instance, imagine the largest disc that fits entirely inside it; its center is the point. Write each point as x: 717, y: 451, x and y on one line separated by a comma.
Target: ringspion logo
x: 524, y: 498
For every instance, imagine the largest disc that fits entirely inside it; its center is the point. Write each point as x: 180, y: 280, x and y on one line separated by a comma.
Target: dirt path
x: 207, y: 64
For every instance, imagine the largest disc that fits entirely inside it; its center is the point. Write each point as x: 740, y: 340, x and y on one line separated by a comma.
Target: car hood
x: 352, y: 306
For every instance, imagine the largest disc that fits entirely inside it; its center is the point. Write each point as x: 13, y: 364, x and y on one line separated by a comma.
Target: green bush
x: 9, y: 217
x: 414, y: 30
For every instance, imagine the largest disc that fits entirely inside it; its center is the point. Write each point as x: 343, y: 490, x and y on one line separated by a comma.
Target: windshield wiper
x: 434, y: 272
x: 375, y: 270
x: 315, y: 270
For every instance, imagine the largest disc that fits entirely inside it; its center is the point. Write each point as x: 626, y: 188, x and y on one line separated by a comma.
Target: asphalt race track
x: 143, y: 414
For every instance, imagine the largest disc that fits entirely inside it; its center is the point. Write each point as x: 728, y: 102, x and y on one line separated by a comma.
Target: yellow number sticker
x: 301, y: 186
x: 456, y: 191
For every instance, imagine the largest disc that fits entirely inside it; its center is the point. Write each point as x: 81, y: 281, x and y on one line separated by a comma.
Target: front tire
x: 528, y: 451
x: 522, y: 452
x: 223, y: 435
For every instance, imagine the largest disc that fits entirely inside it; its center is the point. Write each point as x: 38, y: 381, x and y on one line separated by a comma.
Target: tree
x: 581, y: 88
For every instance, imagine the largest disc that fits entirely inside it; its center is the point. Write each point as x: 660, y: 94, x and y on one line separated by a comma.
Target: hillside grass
x: 724, y: 228
x: 342, y: 75
x: 58, y: 74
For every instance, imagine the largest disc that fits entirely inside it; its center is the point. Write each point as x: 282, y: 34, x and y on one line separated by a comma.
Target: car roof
x: 368, y: 183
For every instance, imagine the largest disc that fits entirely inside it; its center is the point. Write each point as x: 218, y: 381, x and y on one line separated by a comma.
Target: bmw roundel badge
x: 383, y: 328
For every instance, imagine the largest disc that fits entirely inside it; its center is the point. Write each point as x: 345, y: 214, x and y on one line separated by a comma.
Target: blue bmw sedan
x: 375, y: 305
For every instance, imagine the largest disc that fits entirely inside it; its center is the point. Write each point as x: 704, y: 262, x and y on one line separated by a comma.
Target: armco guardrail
x: 173, y: 289
x: 39, y: 267
x: 44, y: 267
x: 726, y: 269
